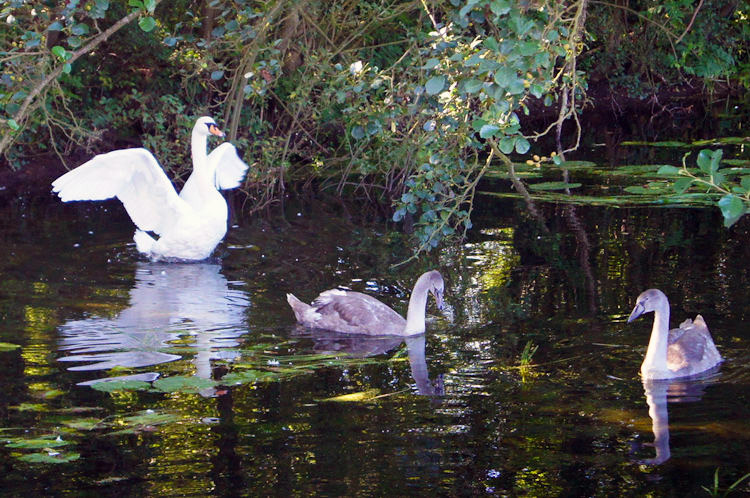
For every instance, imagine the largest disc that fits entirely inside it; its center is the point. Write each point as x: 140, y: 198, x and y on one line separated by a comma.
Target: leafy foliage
x: 732, y: 183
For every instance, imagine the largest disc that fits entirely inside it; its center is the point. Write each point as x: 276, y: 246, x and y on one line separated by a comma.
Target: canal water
x: 123, y: 376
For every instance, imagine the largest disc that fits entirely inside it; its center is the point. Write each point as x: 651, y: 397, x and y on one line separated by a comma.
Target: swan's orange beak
x: 214, y: 130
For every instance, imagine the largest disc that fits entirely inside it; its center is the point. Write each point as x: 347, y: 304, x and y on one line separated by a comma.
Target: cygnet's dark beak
x: 637, y: 311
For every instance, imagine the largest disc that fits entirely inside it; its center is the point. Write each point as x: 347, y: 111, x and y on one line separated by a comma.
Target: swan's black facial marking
x: 214, y: 130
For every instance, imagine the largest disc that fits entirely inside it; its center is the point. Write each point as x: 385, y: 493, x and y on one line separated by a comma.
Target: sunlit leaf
x: 7, y: 346
x: 58, y: 51
x: 355, y: 397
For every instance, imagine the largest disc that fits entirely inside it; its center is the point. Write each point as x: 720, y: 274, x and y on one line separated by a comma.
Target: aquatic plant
x: 715, y: 490
x: 733, y: 184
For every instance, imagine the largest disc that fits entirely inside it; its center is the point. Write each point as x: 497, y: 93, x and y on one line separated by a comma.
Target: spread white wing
x: 229, y: 169
x: 133, y: 176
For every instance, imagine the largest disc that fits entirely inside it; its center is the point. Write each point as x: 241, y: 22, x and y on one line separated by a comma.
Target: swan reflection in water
x: 168, y: 301
x: 658, y: 394
x: 363, y: 346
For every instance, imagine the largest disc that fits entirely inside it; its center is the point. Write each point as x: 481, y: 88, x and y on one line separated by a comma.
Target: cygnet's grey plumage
x: 356, y: 313
x: 681, y: 352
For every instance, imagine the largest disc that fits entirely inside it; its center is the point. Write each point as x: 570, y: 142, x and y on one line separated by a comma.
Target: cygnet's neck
x: 417, y: 305
x: 656, y: 354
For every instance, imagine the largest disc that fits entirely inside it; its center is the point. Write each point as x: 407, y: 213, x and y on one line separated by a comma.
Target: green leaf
x: 147, y: 23
x: 43, y: 442
x: 67, y: 68
x: 553, y: 186
x: 59, y: 51
x: 121, y: 385
x: 358, y: 132
x: 500, y: 7
x: 50, y: 458
x: 431, y: 63
x: 504, y: 76
x: 138, y: 4
x: 216, y: 75
x: 55, y: 26
x: 732, y: 208
x: 7, y: 346
x: 704, y: 160
x: 668, y: 170
x: 80, y: 29
x: 435, y: 85
x: 522, y: 145
x: 472, y: 85
x: 150, y: 5
x: 715, y: 158
x: 681, y: 185
x: 182, y: 384
x: 507, y: 144
x: 488, y: 130
x: 745, y: 183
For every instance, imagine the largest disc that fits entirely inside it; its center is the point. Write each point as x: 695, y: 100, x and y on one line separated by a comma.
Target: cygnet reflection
x: 658, y: 394
x: 168, y: 301
x: 364, y: 346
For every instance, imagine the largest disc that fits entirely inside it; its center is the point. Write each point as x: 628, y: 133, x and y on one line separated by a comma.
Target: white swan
x: 680, y: 352
x: 190, y: 224
x: 356, y: 313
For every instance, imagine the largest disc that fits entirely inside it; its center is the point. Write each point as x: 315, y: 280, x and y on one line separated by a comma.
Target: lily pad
x: 50, y: 457
x: 121, y: 385
x: 182, y: 384
x: 553, y: 185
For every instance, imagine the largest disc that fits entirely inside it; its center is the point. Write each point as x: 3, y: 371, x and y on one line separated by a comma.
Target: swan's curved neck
x: 417, y: 304
x: 198, y: 144
x: 656, y: 354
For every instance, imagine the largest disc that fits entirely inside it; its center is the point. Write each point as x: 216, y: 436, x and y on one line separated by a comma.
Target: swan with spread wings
x: 190, y: 224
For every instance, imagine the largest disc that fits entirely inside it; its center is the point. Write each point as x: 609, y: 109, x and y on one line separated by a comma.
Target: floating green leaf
x: 182, y: 384
x: 36, y: 443
x: 121, y: 385
x: 553, y: 185
x: 50, y: 457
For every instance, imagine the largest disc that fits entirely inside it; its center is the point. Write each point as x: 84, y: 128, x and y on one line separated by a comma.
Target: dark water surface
x: 258, y: 407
